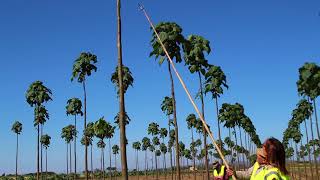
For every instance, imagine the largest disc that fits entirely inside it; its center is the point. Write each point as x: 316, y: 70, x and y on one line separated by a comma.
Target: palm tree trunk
x: 218, y: 121
x: 138, y: 165
x: 41, y: 132
x: 316, y: 117
x: 38, y: 168
x: 145, y: 164
x: 46, y: 163
x: 91, y: 163
x: 170, y: 151
x: 110, y: 159
x: 165, y: 165
x: 17, y: 158
x: 314, y: 149
x: 121, y: 99
x: 70, y: 156
x: 204, y: 131
x: 194, y: 157
x: 308, y: 148
x: 103, y: 163
x: 67, y: 159
x: 156, y: 164
x: 298, y: 160
x: 235, y: 137
x: 241, y: 146
x: 175, y: 123
x: 75, y: 148
x: 85, y: 127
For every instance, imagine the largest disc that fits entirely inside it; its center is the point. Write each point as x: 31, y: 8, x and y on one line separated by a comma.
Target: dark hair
x: 276, y: 154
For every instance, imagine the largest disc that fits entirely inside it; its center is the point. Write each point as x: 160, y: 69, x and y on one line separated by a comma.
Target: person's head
x: 275, y: 154
x: 216, y: 165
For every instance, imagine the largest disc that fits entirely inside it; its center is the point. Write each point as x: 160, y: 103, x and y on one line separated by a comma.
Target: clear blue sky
x: 259, y: 44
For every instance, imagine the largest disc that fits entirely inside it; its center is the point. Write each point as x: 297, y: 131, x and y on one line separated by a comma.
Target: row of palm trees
x: 299, y: 149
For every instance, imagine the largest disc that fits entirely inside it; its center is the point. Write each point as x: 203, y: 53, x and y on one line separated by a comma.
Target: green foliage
x: 191, y: 121
x: 127, y: 78
x: 41, y: 115
x: 163, y: 133
x: 194, y: 49
x: 45, y: 140
x: 103, y: 129
x: 155, y: 141
x: 126, y: 119
x: 167, y: 105
x: 74, y: 107
x: 163, y: 148
x: 37, y: 94
x: 17, y: 127
x: 136, y: 145
x: 309, y: 80
x: 83, y: 66
x: 101, y: 144
x: 171, y: 36
x: 145, y: 143
x: 215, y: 80
x: 153, y: 129
x: 115, y: 149
x: 68, y: 133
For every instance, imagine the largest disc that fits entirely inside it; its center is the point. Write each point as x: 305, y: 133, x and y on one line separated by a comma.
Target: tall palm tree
x: 87, y: 141
x: 36, y: 95
x: 191, y: 122
x: 66, y: 134
x: 137, y: 147
x: 83, y: 66
x: 115, y: 151
x: 172, y: 38
x: 195, y: 48
x: 167, y: 108
x: 146, y: 143
x: 102, y: 146
x: 214, y: 83
x: 103, y: 129
x: 74, y: 107
x: 45, y: 141
x: 121, y: 92
x: 109, y: 135
x: 17, y: 129
x: 164, y: 150
x: 308, y: 85
x: 156, y: 143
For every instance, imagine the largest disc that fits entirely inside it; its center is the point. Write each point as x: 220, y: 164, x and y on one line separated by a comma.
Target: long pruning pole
x: 186, y: 90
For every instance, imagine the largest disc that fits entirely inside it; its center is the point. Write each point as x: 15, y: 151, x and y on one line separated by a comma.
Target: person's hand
x: 230, y: 172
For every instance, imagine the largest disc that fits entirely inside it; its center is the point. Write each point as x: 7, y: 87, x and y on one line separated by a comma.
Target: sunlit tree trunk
x: 308, y: 149
x: 175, y: 123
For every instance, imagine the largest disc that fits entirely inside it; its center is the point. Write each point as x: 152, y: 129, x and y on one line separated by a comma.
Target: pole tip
x: 140, y: 6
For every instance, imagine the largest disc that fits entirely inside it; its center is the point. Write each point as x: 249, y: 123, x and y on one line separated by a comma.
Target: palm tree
x: 308, y: 85
x: 115, y: 151
x: 102, y: 145
x: 109, y: 135
x: 167, y: 108
x: 145, y: 145
x: 17, y: 129
x: 67, y: 136
x: 83, y: 66
x: 89, y: 134
x: 156, y: 143
x: 137, y: 147
x: 164, y: 150
x: 192, y: 121
x: 36, y: 95
x: 45, y: 141
x: 121, y: 92
x: 172, y: 38
x: 195, y: 48
x: 87, y: 141
x: 214, y: 83
x: 188, y: 156
x: 74, y: 107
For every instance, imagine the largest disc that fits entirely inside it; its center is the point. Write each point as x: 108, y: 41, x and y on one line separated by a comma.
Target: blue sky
x: 259, y: 44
